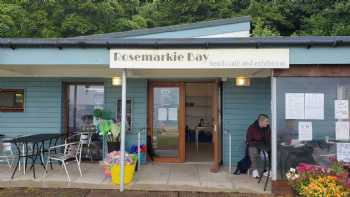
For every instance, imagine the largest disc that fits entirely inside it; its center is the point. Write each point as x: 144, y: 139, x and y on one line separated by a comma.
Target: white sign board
x: 305, y: 131
x: 294, y: 105
x: 342, y: 130
x: 172, y: 113
x: 162, y: 114
x: 199, y: 58
x: 343, y: 152
x: 341, y: 109
x: 314, y: 106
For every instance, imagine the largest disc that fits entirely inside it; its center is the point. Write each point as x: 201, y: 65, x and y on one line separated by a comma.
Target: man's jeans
x: 256, y: 159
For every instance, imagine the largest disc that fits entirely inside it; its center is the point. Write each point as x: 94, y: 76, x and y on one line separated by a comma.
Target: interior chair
x: 64, y: 153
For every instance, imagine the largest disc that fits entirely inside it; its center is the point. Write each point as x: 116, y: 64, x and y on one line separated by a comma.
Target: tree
x: 68, y: 18
x: 263, y: 30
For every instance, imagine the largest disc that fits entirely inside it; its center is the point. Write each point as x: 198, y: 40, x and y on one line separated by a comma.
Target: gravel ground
x: 36, y: 192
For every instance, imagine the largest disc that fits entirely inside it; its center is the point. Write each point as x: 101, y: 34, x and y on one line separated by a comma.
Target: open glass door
x: 216, y: 126
x: 167, y: 121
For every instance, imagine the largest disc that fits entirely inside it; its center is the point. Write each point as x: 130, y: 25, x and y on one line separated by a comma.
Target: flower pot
x: 113, y: 146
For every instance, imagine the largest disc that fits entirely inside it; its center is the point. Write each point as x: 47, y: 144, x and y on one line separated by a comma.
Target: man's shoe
x: 255, y: 173
x: 267, y: 173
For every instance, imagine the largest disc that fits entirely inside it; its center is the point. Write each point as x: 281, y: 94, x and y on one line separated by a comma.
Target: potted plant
x: 109, y: 129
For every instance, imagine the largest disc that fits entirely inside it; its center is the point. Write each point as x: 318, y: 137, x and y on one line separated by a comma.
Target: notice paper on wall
x: 341, y: 109
x: 343, y: 152
x: 294, y: 105
x: 342, y: 130
x: 305, y: 131
x: 162, y: 114
x: 172, y: 114
x: 314, y: 106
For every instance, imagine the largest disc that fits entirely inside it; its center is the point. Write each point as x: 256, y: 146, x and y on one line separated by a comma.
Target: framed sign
x: 128, y: 113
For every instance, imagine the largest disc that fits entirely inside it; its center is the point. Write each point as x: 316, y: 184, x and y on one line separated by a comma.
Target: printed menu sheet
x: 162, y: 114
x: 305, y: 131
x: 172, y: 113
x: 294, y: 105
x: 314, y: 106
x: 341, y: 109
x: 343, y: 152
x: 342, y: 130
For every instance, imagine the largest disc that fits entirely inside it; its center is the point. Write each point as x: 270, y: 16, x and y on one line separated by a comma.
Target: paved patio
x: 151, y: 177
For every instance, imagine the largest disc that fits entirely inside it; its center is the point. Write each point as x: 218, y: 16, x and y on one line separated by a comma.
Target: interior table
x: 201, y: 129
x: 34, y: 145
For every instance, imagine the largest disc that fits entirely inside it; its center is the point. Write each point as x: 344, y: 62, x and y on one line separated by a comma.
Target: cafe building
x: 193, y: 89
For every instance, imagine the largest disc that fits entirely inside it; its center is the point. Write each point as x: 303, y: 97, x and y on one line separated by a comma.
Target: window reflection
x: 83, y: 100
x: 291, y: 152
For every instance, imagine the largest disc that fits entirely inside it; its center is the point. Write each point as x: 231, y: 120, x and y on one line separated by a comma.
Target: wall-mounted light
x: 242, y: 81
x: 116, y: 81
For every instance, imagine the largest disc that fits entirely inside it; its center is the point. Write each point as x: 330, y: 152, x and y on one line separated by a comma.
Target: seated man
x: 258, y: 139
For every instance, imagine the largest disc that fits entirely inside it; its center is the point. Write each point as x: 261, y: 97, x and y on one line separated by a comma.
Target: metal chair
x: 69, y: 152
x: 6, y: 153
x: 267, y: 167
x: 85, y: 140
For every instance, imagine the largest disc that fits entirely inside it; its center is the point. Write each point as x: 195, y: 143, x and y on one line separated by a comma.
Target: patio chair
x: 6, y: 153
x: 85, y: 139
x: 64, y: 153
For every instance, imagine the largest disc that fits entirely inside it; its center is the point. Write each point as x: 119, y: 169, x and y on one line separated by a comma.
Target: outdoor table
x: 37, y: 143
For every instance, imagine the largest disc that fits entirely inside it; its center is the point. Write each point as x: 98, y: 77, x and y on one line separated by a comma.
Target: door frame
x: 182, y: 122
x: 216, y: 115
x: 217, y: 131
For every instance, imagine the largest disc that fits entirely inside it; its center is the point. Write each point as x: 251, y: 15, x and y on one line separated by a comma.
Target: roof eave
x: 174, y: 43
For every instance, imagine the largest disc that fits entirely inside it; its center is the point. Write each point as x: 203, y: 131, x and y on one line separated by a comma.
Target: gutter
x: 203, y: 43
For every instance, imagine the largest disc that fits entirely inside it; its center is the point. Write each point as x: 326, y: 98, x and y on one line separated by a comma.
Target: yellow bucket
x: 129, y: 171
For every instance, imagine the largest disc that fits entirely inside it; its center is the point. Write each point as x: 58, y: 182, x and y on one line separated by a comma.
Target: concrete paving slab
x: 153, y: 174
x: 152, y: 177
x: 184, y: 175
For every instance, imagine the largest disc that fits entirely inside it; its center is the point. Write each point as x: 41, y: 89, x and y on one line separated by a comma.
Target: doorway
x: 166, y: 120
x: 176, y: 131
x: 199, y: 122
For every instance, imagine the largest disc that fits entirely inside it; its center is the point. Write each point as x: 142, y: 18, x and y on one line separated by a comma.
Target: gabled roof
x: 171, y: 28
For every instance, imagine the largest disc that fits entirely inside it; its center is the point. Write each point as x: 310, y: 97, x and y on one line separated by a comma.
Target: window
x: 322, y: 142
x: 11, y: 100
x: 83, y: 100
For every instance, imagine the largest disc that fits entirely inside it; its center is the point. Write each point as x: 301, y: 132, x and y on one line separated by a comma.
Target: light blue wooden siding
x: 137, y: 91
x: 42, y: 107
x: 199, y: 32
x: 319, y: 55
x: 240, y: 107
x: 54, y: 56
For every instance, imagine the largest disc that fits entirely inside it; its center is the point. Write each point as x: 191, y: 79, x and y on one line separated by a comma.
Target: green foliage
x: 263, y: 30
x: 68, y: 18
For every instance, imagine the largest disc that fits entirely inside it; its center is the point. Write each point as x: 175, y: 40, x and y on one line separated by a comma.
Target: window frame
x: 13, y: 109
